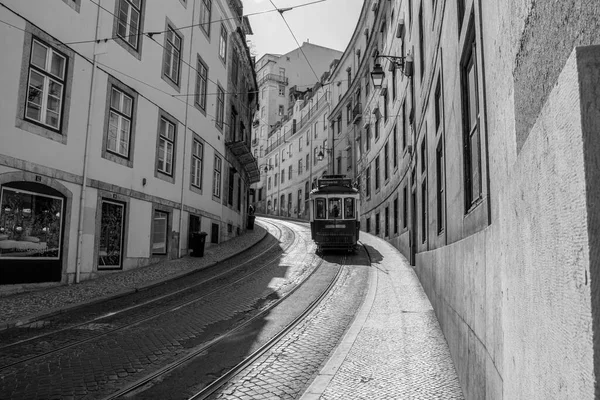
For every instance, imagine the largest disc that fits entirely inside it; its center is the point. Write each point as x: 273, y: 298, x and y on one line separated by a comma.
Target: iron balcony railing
x: 274, y: 77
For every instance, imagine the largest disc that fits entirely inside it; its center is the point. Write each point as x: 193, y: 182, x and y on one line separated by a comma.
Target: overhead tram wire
x: 183, y: 27
x: 281, y: 11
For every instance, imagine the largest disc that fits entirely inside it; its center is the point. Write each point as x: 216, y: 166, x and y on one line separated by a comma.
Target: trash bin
x: 197, y: 245
x: 251, y: 219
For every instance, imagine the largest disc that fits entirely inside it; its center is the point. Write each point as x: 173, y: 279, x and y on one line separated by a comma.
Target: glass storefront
x: 30, y: 225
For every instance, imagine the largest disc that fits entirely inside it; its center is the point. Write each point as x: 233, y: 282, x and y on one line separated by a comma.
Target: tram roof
x: 334, y: 190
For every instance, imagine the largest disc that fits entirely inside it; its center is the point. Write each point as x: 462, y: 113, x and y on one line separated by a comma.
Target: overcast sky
x: 329, y: 24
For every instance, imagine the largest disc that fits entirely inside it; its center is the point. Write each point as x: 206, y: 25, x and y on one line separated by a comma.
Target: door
x: 194, y: 226
x: 413, y: 229
x: 214, y: 233
x: 110, y: 249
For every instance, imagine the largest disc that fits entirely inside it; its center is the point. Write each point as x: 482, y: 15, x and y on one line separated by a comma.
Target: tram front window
x: 335, y: 205
x: 320, y: 206
x: 349, y: 208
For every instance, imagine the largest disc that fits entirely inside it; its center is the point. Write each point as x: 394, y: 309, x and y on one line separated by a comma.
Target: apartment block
x: 125, y: 128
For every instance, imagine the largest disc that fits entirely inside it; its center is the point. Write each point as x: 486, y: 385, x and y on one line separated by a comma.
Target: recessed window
x: 281, y: 90
x: 396, y: 215
x: 128, y: 21
x: 119, y: 127
x: 46, y: 86
x: 220, y: 107
x: 368, y: 182
x: 205, y: 9
x: 368, y: 225
x: 201, y: 84
x: 440, y: 188
x: 166, y: 144
x: 424, y: 211
x: 395, y: 146
x: 172, y: 61
x: 386, y: 222
x: 405, y: 207
x: 197, y: 155
x: 386, y: 167
x: 159, y: 236
x: 217, y: 177
x: 223, y: 43
x: 376, y: 172
x: 377, y: 224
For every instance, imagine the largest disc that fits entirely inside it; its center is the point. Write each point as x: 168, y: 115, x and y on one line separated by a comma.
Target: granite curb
x: 136, y: 288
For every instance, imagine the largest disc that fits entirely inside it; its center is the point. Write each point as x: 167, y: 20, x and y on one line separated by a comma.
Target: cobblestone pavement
x: 101, y: 366
x: 284, y: 371
x: 25, y: 307
x: 395, y: 349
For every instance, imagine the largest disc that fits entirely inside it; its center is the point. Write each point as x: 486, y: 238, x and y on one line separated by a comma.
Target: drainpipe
x: 86, y: 154
x: 185, y: 135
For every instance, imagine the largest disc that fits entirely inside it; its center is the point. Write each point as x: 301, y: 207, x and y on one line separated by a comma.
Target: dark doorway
x: 193, y: 226
x: 413, y: 235
x: 214, y: 233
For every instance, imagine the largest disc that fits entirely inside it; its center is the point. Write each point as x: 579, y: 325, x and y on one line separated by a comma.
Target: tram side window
x: 335, y: 206
x: 349, y: 208
x: 320, y: 205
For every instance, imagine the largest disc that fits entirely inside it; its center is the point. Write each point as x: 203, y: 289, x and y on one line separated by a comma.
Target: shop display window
x: 30, y: 225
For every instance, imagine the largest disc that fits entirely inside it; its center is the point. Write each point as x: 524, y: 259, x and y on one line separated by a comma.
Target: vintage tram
x: 334, y: 213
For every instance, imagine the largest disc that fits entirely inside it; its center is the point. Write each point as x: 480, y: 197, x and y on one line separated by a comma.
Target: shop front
x: 32, y: 225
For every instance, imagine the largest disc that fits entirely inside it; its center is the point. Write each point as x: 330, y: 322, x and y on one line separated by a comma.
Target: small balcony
x: 357, y: 113
x: 282, y: 79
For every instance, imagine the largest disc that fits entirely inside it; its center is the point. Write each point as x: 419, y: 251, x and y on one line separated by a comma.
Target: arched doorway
x: 32, y: 233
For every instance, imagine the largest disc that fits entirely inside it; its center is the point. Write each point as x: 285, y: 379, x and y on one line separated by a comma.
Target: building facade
x: 282, y: 80
x: 294, y: 162
x: 476, y: 158
x: 119, y: 134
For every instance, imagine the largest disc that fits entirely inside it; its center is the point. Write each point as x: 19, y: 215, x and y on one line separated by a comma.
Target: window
x: 368, y: 225
x: 276, y: 180
x: 290, y: 172
x: 223, y: 43
x: 395, y: 146
x: 424, y: 211
x: 405, y: 207
x: 159, y: 235
x: 110, y: 247
x: 280, y: 113
x: 438, y: 105
x: 282, y: 175
x: 324, y: 123
x: 440, y: 183
x: 386, y: 222
x: 201, y: 84
x: 423, y: 156
x: 217, y: 177
x: 349, y: 70
x: 299, y: 166
x: 376, y: 124
x: 339, y: 124
x: 281, y: 90
x: 40, y: 216
x: 377, y: 224
x: 348, y: 113
x: 172, y: 58
x: 205, y: 9
x: 230, y: 186
x: 386, y: 167
x: 235, y: 67
x: 281, y: 71
x: 396, y: 215
x: 315, y: 155
x: 339, y: 164
x: 471, y: 126
x: 166, y: 144
x: 232, y: 124
x: 128, y: 21
x: 320, y: 209
x: 269, y: 184
x: 368, y: 137
x: 197, y: 154
x: 290, y: 150
x: 368, y: 182
x: 119, y: 127
x: 277, y: 159
x: 421, y: 44
x: 349, y: 209
x: 307, y: 160
x: 46, y: 86
x: 220, y: 107
x: 394, y: 83
x: 404, y: 123
x: 386, y: 104
x: 376, y: 172
x: 262, y: 112
x: 300, y: 143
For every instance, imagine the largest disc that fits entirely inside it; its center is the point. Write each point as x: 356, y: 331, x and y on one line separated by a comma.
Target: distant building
x: 282, y: 80
x: 124, y: 127
x: 477, y: 158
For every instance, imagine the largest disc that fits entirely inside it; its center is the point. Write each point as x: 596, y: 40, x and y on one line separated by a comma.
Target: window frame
x: 133, y: 49
x: 163, y: 137
x: 197, y: 160
x: 223, y: 44
x: 166, y: 233
x: 217, y: 168
x: 220, y: 108
x: 201, y: 86
x: 205, y: 7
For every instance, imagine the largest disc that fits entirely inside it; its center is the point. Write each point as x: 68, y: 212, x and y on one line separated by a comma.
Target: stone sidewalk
x: 395, y: 348
x: 29, y: 306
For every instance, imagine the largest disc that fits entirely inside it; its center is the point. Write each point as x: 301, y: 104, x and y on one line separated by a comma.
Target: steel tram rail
x: 222, y: 380
x: 142, y: 320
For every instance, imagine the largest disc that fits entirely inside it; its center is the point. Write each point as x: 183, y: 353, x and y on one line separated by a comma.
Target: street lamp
x: 320, y: 156
x: 404, y: 63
